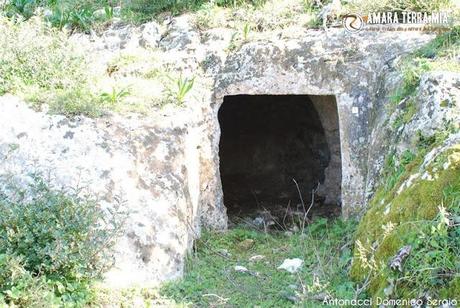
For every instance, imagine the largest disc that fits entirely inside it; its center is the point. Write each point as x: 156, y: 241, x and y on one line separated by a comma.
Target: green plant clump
x: 177, y: 89
x: 87, y: 14
x: 53, y: 246
x: 366, y: 6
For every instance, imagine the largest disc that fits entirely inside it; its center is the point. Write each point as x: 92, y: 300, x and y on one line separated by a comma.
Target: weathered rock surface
x: 436, y: 110
x: 149, y: 167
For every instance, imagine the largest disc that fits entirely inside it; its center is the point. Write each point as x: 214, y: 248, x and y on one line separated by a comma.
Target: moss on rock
x: 406, y: 216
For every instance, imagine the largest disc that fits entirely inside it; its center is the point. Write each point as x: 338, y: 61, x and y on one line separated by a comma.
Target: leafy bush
x: 43, y: 66
x: 19, y: 287
x: 52, y: 242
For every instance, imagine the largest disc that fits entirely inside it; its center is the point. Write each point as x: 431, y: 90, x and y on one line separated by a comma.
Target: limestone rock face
x: 150, y: 35
x: 435, y: 110
x: 121, y: 36
x: 180, y: 34
x: 438, y: 96
x: 149, y: 168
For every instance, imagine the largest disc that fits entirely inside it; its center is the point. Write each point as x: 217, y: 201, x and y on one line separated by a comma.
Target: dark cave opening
x: 267, y: 142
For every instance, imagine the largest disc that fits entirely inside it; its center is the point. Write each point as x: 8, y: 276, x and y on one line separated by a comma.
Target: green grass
x: 87, y: 14
x: 41, y: 65
x: 139, y: 11
x: 438, y: 55
x: 62, y: 13
x: 210, y: 278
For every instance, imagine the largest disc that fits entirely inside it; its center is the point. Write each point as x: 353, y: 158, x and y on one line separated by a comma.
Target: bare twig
x: 288, y: 207
x: 300, y: 195
x: 306, y: 211
x: 363, y: 287
x: 313, y: 192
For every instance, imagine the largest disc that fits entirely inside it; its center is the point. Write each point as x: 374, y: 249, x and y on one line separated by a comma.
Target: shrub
x: 19, y: 287
x: 52, y: 240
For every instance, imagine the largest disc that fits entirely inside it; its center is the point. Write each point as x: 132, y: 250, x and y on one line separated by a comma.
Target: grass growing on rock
x: 423, y: 215
x: 439, y: 54
x: 41, y: 65
x: 210, y: 278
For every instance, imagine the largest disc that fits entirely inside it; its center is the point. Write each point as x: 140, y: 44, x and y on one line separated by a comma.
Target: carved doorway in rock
x: 272, y: 147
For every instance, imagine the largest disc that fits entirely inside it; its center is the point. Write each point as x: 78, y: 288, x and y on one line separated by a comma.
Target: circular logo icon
x: 353, y: 23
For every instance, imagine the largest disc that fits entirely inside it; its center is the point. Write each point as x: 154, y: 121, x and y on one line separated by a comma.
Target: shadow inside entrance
x: 268, y: 144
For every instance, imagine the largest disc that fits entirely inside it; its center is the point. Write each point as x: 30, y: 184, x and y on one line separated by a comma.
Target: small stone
x: 256, y: 258
x: 241, y: 269
x: 99, y: 14
x: 258, y: 221
x: 291, y: 265
x: 224, y: 252
x: 246, y: 244
x: 293, y: 298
